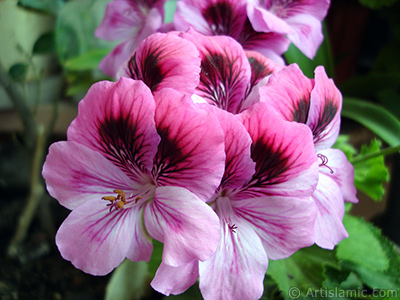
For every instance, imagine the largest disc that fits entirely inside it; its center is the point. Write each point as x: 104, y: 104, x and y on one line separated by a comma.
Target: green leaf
x: 369, y: 175
x: 75, y: 26
x: 169, y: 8
x: 50, y: 6
x: 18, y: 71
x: 156, y: 256
x: 377, y: 4
x: 44, y: 44
x: 87, y: 61
x: 342, y: 143
x: 303, y: 270
x: 193, y: 293
x: 128, y: 281
x: 374, y: 117
x: 362, y: 247
x: 369, y: 254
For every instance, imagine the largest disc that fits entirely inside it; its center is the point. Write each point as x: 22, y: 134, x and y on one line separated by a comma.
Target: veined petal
x: 191, y: 152
x: 284, y: 154
x: 114, y: 60
x: 187, y: 226
x: 270, y: 44
x: 117, y: 120
x: 165, y: 60
x: 122, y: 19
x: 95, y: 240
x: 75, y: 174
x: 175, y: 280
x: 329, y: 229
x: 225, y: 70
x: 237, y: 269
x: 216, y: 17
x: 261, y: 70
x: 284, y: 224
x: 325, y: 107
x: 300, y: 20
x: 239, y: 166
x: 263, y: 20
x: 288, y: 92
x: 307, y: 34
x: 341, y: 171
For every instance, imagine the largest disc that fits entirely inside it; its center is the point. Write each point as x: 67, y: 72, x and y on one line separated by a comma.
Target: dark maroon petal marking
x: 220, y: 80
x: 300, y: 112
x: 121, y: 142
x: 258, y: 70
x: 222, y: 18
x: 272, y: 161
x: 325, y: 118
x: 149, y: 70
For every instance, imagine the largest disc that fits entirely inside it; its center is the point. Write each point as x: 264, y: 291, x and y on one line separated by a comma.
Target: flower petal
x: 343, y: 173
x: 284, y: 224
x: 307, y: 34
x: 284, y: 154
x: 175, y: 280
x: 216, y: 17
x: 263, y: 20
x: 261, y: 70
x: 329, y: 229
x: 191, y: 153
x: 114, y: 60
x: 225, y: 70
x: 186, y: 225
x: 117, y: 120
x: 122, y: 19
x: 96, y: 240
x: 75, y: 174
x: 237, y: 269
x: 239, y: 166
x: 325, y: 107
x: 288, y: 92
x: 165, y: 60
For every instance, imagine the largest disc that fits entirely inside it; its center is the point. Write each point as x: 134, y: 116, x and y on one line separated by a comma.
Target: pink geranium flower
x: 136, y: 167
x: 263, y: 204
x: 216, y: 69
x: 229, y: 17
x: 299, y: 20
x: 317, y: 103
x: 130, y: 21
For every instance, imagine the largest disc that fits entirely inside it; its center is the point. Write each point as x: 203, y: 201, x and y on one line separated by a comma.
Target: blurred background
x: 49, y: 58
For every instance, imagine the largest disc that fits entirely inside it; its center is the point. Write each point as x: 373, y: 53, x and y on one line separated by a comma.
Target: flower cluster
x: 204, y: 144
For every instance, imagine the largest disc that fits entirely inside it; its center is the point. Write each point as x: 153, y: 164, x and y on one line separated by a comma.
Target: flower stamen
x: 232, y: 228
x: 117, y: 202
x: 324, y: 161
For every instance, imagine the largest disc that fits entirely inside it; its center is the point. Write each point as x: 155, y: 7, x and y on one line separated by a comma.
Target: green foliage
x: 170, y: 8
x: 44, y: 44
x: 49, y: 6
x: 75, y: 26
x: 87, y: 61
x: 374, y: 117
x: 363, y: 262
x: 377, y: 4
x: 370, y: 174
x: 18, y: 71
x: 303, y: 270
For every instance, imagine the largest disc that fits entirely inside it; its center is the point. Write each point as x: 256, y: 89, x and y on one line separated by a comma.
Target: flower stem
x: 387, y: 151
